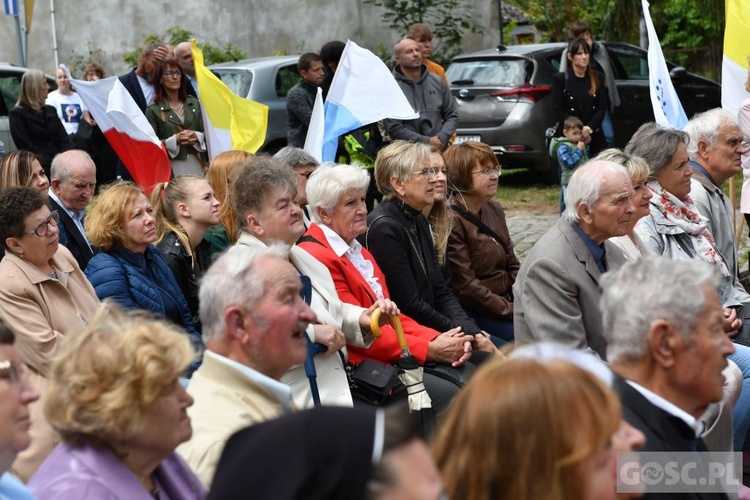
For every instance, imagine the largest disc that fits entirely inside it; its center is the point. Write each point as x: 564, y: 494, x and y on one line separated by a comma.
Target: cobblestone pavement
x: 526, y: 228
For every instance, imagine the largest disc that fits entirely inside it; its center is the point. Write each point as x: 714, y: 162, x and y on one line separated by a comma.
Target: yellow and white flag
x: 229, y: 121
x: 736, y: 52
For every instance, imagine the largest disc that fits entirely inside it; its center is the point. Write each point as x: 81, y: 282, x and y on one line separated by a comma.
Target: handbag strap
x: 481, y: 226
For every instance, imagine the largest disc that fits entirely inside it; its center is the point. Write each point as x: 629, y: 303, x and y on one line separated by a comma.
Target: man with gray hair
x: 669, y: 347
x: 264, y: 191
x: 556, y: 294
x: 304, y: 164
x: 72, y: 184
x: 254, y: 320
x: 715, y: 150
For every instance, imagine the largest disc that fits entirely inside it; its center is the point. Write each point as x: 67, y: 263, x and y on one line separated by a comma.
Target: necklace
x: 177, y: 108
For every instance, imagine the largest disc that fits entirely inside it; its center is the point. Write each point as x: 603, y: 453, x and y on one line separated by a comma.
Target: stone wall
x: 257, y: 27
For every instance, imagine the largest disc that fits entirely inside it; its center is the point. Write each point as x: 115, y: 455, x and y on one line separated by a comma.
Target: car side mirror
x: 678, y: 73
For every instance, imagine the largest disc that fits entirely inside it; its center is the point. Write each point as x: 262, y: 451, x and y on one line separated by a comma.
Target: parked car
x: 503, y: 98
x: 10, y: 87
x: 266, y: 80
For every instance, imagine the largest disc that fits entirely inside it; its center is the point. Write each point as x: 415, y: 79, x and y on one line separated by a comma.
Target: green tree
x: 449, y: 20
x: 212, y: 54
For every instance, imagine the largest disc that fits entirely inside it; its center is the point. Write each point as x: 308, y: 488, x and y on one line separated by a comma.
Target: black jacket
x: 566, y: 101
x: 187, y: 275
x: 71, y: 237
x: 664, y: 433
x: 40, y: 132
x: 399, y: 238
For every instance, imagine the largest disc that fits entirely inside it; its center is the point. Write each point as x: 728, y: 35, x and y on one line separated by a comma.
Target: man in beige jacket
x: 254, y: 320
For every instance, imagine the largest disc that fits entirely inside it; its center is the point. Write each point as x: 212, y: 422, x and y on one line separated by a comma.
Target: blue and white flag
x: 11, y: 7
x: 363, y: 91
x: 668, y: 110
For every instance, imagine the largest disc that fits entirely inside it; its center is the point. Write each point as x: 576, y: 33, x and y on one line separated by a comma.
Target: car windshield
x: 237, y: 80
x: 490, y: 72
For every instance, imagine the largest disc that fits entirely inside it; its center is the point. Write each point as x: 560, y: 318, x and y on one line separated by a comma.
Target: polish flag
x: 126, y: 128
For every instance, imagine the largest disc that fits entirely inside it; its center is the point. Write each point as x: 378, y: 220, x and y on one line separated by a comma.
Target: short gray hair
x: 295, y: 157
x: 634, y: 296
x: 330, y: 182
x: 657, y: 145
x: 635, y: 165
x: 705, y: 127
x: 586, y: 184
x: 256, y: 178
x: 64, y: 162
x: 233, y: 279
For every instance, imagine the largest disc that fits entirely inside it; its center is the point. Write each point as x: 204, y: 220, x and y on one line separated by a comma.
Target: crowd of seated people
x: 96, y: 399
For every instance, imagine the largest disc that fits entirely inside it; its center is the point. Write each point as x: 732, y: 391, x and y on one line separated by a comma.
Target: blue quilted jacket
x: 130, y: 278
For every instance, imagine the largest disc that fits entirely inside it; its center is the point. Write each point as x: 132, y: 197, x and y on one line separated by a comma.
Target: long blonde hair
x: 164, y: 200
x: 440, y: 219
x: 520, y: 430
x: 31, y: 90
x: 217, y: 176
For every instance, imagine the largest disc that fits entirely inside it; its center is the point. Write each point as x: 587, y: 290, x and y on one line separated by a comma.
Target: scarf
x: 683, y: 214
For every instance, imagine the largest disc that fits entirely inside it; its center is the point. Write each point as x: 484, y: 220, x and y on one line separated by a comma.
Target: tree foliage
x: 449, y: 20
x: 212, y: 54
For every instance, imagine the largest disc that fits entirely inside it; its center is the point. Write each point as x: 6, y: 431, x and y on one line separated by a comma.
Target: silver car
x: 266, y: 80
x: 10, y: 87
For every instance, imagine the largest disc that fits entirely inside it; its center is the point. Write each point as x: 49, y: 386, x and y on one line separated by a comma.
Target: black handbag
x: 375, y: 383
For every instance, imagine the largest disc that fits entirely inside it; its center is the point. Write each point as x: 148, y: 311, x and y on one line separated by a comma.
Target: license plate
x: 464, y: 138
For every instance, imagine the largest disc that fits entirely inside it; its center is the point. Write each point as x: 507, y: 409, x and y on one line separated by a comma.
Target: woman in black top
x: 582, y: 92
x: 34, y: 126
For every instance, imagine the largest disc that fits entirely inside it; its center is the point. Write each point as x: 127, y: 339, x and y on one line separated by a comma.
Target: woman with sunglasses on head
x: 176, y: 118
x: 44, y: 298
x: 482, y: 262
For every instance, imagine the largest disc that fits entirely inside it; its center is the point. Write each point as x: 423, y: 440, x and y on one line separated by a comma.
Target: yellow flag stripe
x: 737, y: 32
x: 246, y: 121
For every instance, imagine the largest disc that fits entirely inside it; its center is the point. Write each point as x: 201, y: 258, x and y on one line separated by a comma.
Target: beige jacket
x: 42, y: 311
x: 226, y: 401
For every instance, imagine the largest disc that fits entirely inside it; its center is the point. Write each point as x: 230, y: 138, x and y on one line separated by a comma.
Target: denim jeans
x: 741, y: 422
x: 608, y: 129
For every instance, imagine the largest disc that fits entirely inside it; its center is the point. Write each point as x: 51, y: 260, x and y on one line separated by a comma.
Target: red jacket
x: 354, y: 289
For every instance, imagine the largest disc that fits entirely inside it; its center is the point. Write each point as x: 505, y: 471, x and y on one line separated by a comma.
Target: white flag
x: 316, y: 129
x: 667, y: 107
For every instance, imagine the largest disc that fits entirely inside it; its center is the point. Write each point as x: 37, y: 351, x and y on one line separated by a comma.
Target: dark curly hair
x: 17, y: 203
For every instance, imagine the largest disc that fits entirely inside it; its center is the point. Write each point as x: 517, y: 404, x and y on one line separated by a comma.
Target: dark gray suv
x: 503, y: 98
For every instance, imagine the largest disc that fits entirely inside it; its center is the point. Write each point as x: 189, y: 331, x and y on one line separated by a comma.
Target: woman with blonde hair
x: 437, y: 213
x: 22, y: 168
x: 185, y: 207
x: 525, y: 430
x: 130, y: 269
x: 34, y: 126
x: 117, y: 402
x: 225, y: 234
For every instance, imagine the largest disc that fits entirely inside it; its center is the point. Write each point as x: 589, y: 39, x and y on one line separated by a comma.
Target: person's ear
x: 584, y: 213
x: 183, y: 210
x: 234, y: 322
x: 14, y: 245
x: 398, y: 185
x: 254, y: 226
x: 55, y: 184
x: 704, y: 148
x: 664, y: 343
x: 325, y: 216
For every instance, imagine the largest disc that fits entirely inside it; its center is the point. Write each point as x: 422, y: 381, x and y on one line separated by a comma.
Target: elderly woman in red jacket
x: 337, y: 200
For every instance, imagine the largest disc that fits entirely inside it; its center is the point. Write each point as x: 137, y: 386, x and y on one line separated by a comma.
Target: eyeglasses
x: 173, y: 73
x: 427, y: 172
x: 41, y: 228
x: 487, y: 171
x: 11, y: 371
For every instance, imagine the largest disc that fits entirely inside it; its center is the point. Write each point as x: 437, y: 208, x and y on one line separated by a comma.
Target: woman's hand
x: 482, y: 342
x: 186, y: 138
x: 330, y: 337
x: 732, y: 323
x: 452, y: 347
x: 587, y: 131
